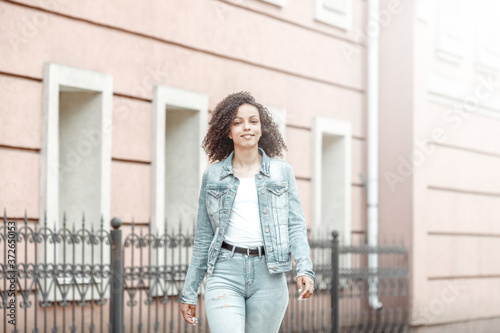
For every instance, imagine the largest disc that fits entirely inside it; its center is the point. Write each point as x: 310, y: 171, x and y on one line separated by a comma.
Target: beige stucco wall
x: 446, y: 201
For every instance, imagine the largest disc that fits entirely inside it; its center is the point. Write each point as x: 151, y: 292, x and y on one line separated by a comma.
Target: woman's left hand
x: 305, y: 285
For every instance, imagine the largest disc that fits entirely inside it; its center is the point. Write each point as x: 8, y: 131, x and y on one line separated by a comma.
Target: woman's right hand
x: 189, y: 313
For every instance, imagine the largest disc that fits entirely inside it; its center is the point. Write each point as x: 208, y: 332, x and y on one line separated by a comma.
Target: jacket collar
x: 227, y: 167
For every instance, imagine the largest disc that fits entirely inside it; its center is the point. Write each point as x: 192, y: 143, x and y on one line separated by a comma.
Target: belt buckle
x: 248, y: 251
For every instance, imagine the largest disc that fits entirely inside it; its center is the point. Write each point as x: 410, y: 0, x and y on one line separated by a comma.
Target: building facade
x: 104, y: 106
x: 439, y: 134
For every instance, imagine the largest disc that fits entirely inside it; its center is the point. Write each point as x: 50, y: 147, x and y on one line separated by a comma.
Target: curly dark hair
x: 216, y: 143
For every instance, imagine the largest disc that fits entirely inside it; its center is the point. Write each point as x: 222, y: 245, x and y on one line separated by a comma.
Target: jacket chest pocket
x: 278, y: 195
x: 215, y: 203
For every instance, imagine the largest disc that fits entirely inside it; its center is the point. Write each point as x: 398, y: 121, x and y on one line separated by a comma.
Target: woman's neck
x: 247, y: 160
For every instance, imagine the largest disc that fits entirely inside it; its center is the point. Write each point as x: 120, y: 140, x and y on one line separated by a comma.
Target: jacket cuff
x: 306, y: 274
x: 186, y: 300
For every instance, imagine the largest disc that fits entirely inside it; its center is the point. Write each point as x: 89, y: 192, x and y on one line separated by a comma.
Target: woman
x: 250, y: 221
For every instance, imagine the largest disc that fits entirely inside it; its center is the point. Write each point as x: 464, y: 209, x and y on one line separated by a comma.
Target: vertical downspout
x: 372, y: 150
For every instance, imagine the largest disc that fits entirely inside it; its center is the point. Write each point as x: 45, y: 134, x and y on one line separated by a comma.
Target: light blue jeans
x: 241, y: 296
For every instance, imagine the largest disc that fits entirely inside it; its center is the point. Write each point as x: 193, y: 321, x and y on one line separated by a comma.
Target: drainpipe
x: 372, y: 137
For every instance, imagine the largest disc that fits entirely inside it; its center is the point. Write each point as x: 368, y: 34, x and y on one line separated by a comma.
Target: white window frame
x: 343, y: 130
x: 280, y: 3
x: 487, y: 55
x: 450, y: 44
x: 165, y: 96
x: 57, y: 79
x: 339, y: 19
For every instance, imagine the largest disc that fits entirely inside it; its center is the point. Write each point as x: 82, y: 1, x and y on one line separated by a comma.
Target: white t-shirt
x: 244, y: 222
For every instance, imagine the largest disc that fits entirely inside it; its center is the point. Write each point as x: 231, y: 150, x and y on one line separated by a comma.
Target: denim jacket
x: 283, y: 223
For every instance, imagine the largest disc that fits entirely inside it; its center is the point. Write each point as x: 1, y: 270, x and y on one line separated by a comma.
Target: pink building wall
x: 281, y: 55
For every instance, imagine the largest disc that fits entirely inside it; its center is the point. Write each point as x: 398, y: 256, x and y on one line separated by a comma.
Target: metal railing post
x: 116, y: 283
x: 335, y: 283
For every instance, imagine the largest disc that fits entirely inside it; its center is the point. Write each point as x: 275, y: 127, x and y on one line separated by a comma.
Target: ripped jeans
x: 242, y: 297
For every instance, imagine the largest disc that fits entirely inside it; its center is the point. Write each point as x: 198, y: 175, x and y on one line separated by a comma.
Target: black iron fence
x: 90, y: 279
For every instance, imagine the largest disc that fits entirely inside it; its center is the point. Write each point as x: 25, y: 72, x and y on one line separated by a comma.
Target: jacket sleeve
x: 202, y: 240
x: 297, y: 230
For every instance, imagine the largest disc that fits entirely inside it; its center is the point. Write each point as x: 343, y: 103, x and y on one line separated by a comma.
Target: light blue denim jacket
x: 283, y: 223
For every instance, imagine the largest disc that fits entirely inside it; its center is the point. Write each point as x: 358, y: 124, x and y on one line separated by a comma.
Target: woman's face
x: 245, y: 128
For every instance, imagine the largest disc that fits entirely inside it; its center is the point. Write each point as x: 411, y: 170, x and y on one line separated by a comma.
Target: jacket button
x: 264, y: 211
x: 263, y: 191
x: 274, y: 268
x: 260, y: 176
x: 270, y: 249
x: 266, y: 230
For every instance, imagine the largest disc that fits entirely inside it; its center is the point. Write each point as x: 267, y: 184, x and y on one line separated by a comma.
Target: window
x: 337, y: 13
x: 331, y: 181
x: 450, y: 43
x: 487, y: 55
x: 76, y: 156
x: 180, y: 124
